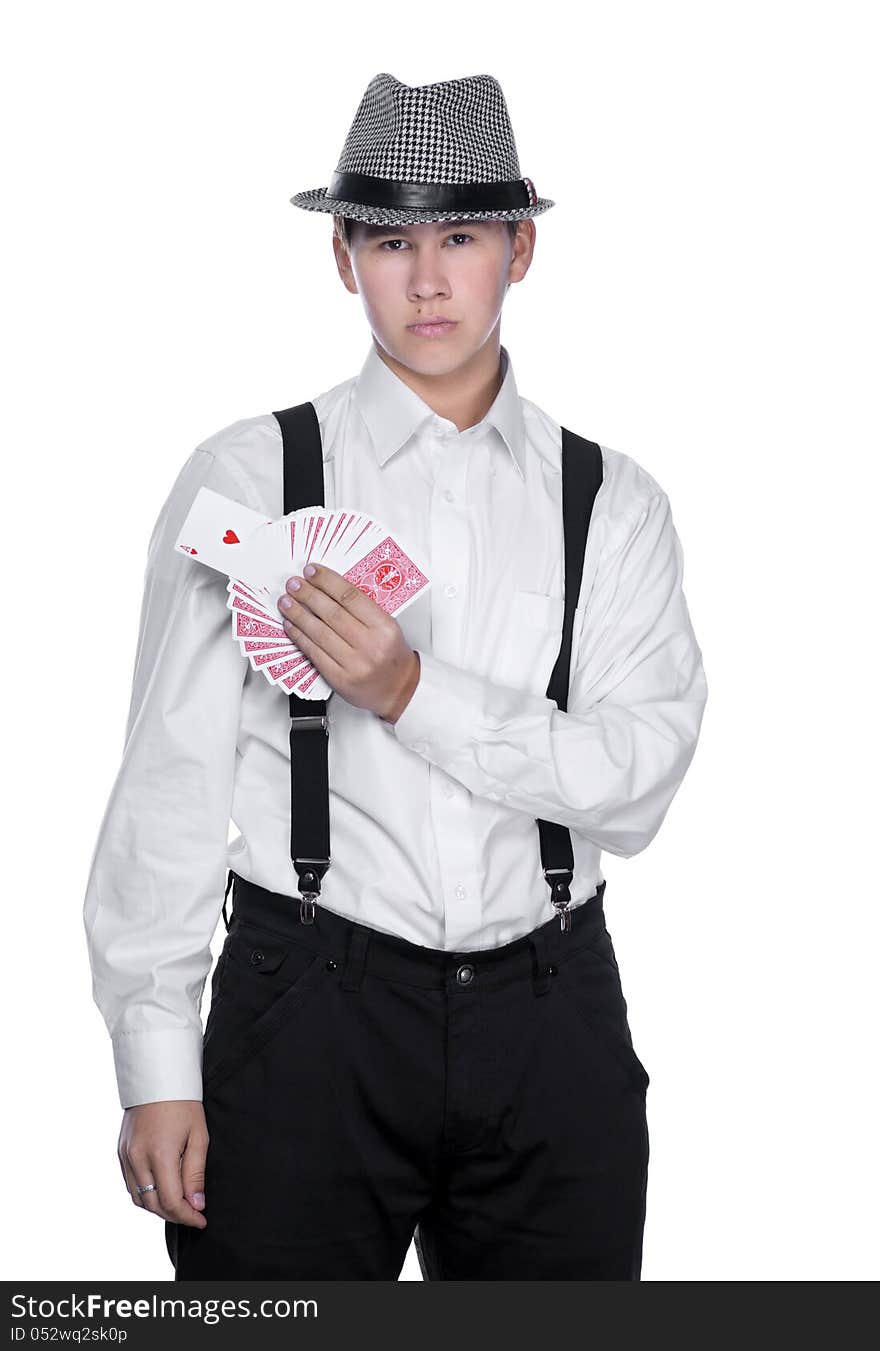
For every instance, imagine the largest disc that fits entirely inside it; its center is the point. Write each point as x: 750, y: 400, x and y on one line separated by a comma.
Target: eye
x: 386, y: 242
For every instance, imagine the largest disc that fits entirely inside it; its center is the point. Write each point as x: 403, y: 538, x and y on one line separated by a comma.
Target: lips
x: 429, y: 328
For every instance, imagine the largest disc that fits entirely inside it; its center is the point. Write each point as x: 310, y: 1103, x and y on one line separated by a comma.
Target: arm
x: 157, y: 874
x: 609, y: 766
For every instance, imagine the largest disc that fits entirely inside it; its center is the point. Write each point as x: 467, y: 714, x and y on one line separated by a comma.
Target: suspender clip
x: 560, y: 894
x: 310, y: 885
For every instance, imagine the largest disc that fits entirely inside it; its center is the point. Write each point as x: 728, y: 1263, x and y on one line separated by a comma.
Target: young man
x: 426, y: 1040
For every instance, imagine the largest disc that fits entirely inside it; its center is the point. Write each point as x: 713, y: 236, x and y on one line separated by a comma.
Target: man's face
x: 458, y: 270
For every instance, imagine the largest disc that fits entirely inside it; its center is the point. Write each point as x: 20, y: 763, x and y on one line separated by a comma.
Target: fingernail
x: 309, y: 570
x: 285, y: 602
x: 294, y: 583
x: 198, y: 1199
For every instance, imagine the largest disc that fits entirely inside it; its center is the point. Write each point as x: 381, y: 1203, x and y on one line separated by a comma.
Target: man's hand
x: 166, y: 1143
x: 358, y: 648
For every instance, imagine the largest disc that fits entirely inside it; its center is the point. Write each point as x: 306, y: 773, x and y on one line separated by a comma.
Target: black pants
x: 361, y: 1090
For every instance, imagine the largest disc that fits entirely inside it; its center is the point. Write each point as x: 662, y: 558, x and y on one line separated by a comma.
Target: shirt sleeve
x: 157, y: 874
x: 609, y: 766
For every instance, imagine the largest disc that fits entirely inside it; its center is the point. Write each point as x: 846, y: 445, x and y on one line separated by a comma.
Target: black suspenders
x: 581, y: 480
x: 309, y: 786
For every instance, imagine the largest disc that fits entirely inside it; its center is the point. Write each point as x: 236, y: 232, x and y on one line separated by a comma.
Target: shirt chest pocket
x: 532, y: 634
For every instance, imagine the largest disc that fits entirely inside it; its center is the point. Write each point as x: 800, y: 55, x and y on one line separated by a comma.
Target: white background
x: 703, y: 297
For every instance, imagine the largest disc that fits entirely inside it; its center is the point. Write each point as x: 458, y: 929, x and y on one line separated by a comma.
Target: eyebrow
x: 373, y: 231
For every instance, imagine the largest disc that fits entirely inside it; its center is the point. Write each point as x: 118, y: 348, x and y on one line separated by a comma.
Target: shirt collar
x: 393, y: 411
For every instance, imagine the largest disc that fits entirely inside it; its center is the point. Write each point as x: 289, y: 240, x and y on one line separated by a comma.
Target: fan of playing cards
x: 258, y: 556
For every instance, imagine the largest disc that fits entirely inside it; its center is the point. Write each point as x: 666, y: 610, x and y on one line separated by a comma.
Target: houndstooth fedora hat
x: 429, y: 152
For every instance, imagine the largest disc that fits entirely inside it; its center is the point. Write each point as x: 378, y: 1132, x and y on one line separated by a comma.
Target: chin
x: 434, y: 352
x: 442, y: 364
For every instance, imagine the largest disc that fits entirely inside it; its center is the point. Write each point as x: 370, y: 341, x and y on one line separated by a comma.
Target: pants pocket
x: 591, y: 986
x: 602, y: 948
x: 263, y: 979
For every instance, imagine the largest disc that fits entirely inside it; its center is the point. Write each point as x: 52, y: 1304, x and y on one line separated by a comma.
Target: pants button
x: 464, y: 975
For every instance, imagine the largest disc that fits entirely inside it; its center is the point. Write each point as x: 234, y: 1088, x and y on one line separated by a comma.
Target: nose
x: 428, y: 276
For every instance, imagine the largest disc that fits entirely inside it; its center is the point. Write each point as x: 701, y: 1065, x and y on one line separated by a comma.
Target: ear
x: 343, y: 264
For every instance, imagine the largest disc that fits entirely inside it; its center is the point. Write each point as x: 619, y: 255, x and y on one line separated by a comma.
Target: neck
x: 464, y: 395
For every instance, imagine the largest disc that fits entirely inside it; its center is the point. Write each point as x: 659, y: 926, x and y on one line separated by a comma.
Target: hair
x: 342, y: 228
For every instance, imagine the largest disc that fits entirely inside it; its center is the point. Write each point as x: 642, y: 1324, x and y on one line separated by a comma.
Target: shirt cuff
x: 444, y: 711
x: 158, y: 1065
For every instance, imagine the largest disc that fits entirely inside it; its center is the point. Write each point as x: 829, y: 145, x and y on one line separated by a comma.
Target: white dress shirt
x: 433, y: 819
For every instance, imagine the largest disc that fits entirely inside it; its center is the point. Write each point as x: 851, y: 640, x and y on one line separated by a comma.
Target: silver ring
x: 147, y: 1187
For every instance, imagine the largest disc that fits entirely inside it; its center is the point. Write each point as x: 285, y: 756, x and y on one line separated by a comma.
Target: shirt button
x: 461, y: 892
x: 450, y: 590
x: 449, y: 496
x: 464, y: 975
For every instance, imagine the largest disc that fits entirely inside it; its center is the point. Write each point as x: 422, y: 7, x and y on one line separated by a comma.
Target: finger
x: 171, y: 1203
x: 310, y: 602
x: 141, y: 1176
x: 131, y: 1183
x: 300, y: 619
x: 327, y: 582
x: 325, y: 665
x: 161, y: 1199
x: 192, y: 1168
x: 125, y: 1163
x: 126, y: 1177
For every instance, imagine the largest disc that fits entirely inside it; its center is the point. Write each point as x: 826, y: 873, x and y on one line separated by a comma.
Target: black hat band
x: 369, y: 190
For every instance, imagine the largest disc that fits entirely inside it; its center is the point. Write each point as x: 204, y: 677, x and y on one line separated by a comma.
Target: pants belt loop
x: 355, y: 959
x: 541, y: 964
